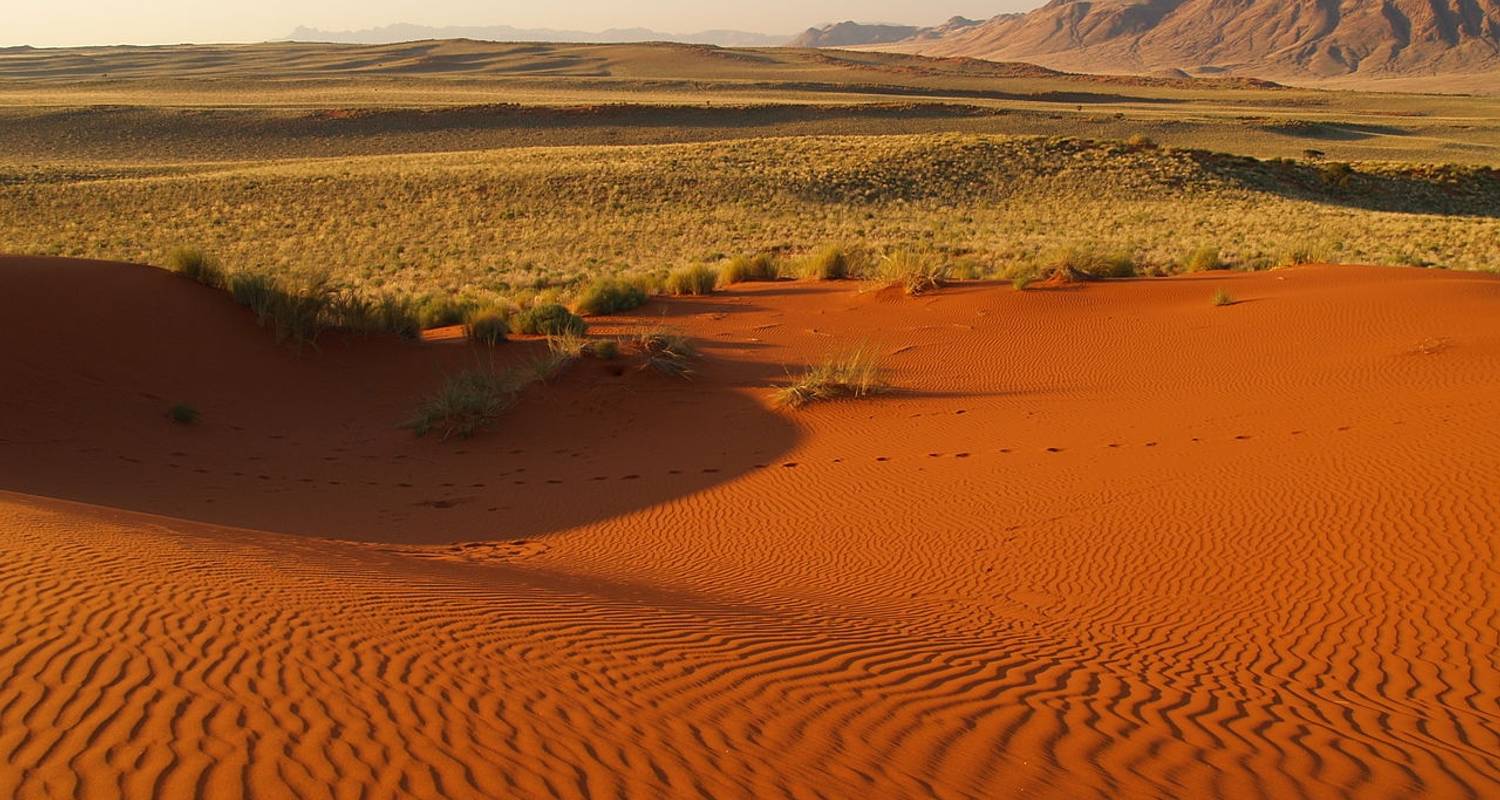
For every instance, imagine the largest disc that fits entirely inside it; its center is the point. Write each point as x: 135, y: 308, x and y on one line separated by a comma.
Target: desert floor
x: 1100, y: 541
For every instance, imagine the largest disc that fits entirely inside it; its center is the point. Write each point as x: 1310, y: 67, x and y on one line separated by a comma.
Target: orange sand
x: 1106, y: 541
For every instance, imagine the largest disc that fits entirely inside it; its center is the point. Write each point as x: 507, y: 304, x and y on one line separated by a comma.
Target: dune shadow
x: 309, y: 443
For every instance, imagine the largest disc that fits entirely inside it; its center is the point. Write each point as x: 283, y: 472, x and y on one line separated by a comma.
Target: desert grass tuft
x: 741, y: 269
x: 183, y: 414
x: 695, y: 280
x: 1200, y: 259
x: 1082, y: 263
x: 856, y: 373
x: 830, y: 263
x: 194, y: 263
x: 609, y: 295
x: 1223, y: 298
x: 548, y: 319
x: 466, y: 403
x: 487, y: 326
x: 666, y: 351
x: 917, y: 273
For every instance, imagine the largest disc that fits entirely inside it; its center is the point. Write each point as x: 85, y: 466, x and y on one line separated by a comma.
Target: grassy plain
x: 484, y: 169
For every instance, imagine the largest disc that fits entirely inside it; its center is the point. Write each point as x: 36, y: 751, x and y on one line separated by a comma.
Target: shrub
x: 1074, y: 263
x: 695, y: 280
x: 606, y: 349
x: 1222, y: 298
x: 1201, y: 258
x: 852, y: 374
x: 667, y: 352
x: 487, y: 326
x: 830, y: 263
x: 192, y: 262
x: 1140, y: 141
x: 759, y: 267
x: 183, y: 414
x: 917, y: 273
x: 467, y: 403
x: 1336, y: 173
x: 607, y: 295
x: 549, y: 319
x: 441, y: 312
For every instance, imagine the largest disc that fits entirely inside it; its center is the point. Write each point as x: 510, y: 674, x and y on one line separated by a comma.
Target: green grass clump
x: 665, y: 351
x: 917, y: 273
x: 1079, y: 263
x: 759, y: 267
x: 183, y: 414
x: 1222, y: 298
x: 831, y: 263
x: 548, y: 319
x: 487, y: 326
x: 855, y: 373
x: 466, y: 403
x: 191, y: 262
x: 608, y: 295
x: 1201, y: 258
x: 694, y: 280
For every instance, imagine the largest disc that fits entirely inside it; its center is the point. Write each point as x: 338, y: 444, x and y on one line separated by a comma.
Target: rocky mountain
x: 851, y: 34
x: 1270, y: 38
x: 403, y: 32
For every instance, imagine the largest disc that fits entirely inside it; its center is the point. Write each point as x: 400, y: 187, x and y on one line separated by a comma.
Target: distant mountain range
x: 1265, y: 38
x: 1306, y: 39
x: 850, y: 33
x: 402, y: 32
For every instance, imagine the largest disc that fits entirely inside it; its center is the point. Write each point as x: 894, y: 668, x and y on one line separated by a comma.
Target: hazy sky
x: 78, y: 22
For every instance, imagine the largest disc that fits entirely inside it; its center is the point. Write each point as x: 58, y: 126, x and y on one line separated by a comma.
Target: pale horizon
x: 74, y: 23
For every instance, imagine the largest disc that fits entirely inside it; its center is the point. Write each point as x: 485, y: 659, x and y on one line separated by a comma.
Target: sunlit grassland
x: 493, y: 222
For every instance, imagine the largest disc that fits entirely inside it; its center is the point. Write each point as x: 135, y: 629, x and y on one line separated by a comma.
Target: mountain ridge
x: 406, y: 32
x: 1316, y: 39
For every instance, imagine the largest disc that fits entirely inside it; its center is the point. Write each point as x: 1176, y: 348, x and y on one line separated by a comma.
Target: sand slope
x: 1106, y: 541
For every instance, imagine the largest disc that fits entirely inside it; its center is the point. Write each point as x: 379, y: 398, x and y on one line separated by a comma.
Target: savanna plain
x: 470, y: 420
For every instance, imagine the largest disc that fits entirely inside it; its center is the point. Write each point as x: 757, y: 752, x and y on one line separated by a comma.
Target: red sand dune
x: 1105, y: 541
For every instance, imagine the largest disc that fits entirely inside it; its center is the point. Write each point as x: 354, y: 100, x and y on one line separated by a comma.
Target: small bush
x: 695, y: 280
x: 487, y: 326
x: 667, y: 352
x: 467, y: 403
x: 441, y: 312
x: 759, y: 267
x: 183, y: 414
x: 831, y: 263
x: 606, y: 349
x: 1336, y: 173
x: 1073, y: 263
x: 1201, y: 258
x: 852, y: 374
x: 1140, y: 141
x: 608, y: 295
x: 549, y: 319
x: 191, y: 262
x: 917, y: 273
x: 1222, y: 298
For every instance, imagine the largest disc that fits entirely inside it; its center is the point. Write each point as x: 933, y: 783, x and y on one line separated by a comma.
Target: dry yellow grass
x: 499, y: 222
